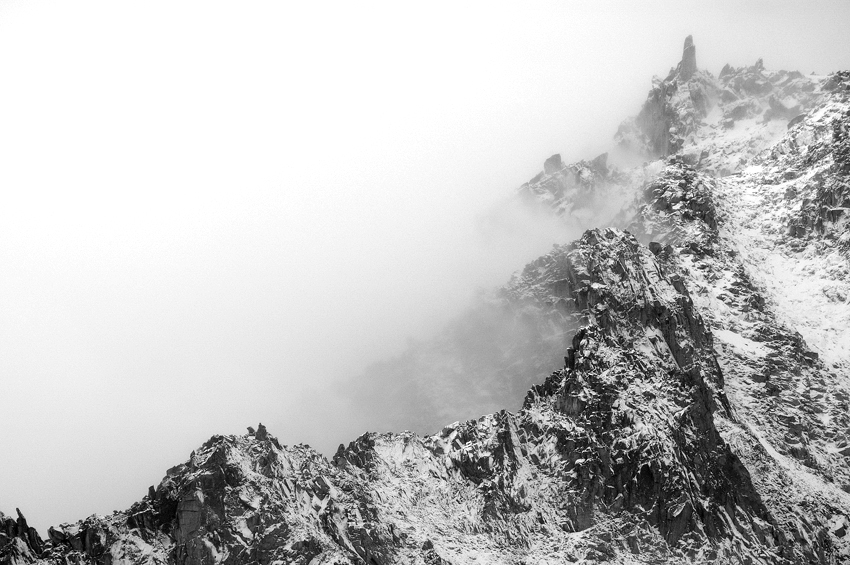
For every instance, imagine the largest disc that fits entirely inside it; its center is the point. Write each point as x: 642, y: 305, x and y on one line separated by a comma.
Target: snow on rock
x: 615, y: 456
x: 741, y: 345
x: 701, y: 414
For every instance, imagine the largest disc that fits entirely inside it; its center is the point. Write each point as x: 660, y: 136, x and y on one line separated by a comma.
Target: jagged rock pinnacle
x: 688, y: 66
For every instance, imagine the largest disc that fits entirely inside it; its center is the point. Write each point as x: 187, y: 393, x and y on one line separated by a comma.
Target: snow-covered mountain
x: 698, y: 411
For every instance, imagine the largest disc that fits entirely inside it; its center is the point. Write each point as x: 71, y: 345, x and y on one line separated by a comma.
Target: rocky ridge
x: 701, y: 413
x: 19, y: 543
x: 767, y: 267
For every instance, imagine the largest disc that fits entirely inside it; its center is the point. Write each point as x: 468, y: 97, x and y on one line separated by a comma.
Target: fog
x: 218, y: 214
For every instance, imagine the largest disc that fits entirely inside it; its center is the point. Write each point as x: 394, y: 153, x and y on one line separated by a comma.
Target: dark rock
x: 19, y: 543
x: 553, y: 164
x: 688, y: 65
x: 836, y: 81
x: 600, y: 165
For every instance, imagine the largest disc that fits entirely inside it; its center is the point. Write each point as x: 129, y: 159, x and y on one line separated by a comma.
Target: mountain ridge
x: 698, y: 416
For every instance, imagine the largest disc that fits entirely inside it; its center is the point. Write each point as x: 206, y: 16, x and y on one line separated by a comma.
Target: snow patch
x: 742, y: 346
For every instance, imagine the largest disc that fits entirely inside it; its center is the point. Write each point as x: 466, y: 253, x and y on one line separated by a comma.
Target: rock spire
x: 688, y: 66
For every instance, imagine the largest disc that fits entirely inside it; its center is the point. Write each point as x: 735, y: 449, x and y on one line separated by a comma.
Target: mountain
x: 698, y: 410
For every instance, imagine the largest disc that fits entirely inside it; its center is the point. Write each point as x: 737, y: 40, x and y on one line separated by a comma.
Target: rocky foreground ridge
x: 700, y: 413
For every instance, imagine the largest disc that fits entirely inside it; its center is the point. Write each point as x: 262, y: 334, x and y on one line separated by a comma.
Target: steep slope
x: 617, y: 454
x: 772, y: 281
x: 700, y: 414
x: 787, y: 410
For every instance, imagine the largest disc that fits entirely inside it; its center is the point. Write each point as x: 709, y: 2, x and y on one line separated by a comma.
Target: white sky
x: 211, y: 212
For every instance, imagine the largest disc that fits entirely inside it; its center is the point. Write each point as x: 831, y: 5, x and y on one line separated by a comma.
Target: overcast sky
x: 212, y: 213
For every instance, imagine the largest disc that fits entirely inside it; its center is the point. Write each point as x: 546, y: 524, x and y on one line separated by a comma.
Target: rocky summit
x: 697, y: 413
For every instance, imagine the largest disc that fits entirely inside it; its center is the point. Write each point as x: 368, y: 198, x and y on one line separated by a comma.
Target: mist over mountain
x: 666, y: 382
x: 487, y: 357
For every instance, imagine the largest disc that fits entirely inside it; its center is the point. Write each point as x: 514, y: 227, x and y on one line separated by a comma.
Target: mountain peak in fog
x: 679, y: 373
x: 688, y: 65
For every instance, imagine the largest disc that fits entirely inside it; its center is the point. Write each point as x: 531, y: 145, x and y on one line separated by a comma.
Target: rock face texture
x: 691, y: 111
x: 698, y: 404
x: 19, y: 543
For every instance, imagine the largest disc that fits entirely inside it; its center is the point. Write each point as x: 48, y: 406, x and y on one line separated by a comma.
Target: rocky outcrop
x: 673, y: 110
x: 812, y: 162
x: 781, y: 424
x: 653, y: 131
x: 19, y: 543
x: 690, y: 112
x: 566, y: 190
x: 688, y: 65
x: 553, y: 164
x: 764, y: 252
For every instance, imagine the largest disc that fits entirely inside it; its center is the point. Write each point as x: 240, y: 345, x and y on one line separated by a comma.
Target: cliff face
x: 766, y: 265
x: 700, y: 412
